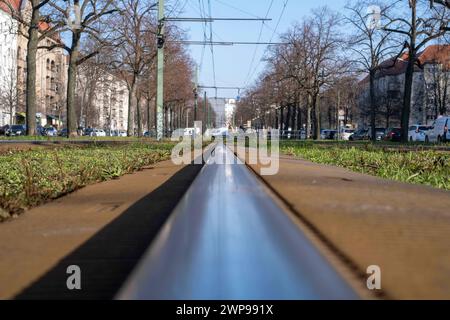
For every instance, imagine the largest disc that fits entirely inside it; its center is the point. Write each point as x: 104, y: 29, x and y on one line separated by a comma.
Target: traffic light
x: 161, y: 41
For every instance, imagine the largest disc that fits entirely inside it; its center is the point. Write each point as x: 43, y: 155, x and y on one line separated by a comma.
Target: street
x: 225, y: 158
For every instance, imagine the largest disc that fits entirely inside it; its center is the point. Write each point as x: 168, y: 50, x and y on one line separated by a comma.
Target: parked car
x: 63, y: 132
x: 328, y: 134
x: 380, y: 133
x: 331, y: 135
x: 122, y: 133
x: 323, y: 133
x: 88, y: 132
x: 214, y: 133
x: 98, y: 133
x: 361, y: 134
x: 147, y: 134
x: 16, y: 130
x: 346, y: 133
x: 440, y: 130
x: 3, y: 129
x: 50, y: 132
x: 393, y: 134
x: 418, y: 132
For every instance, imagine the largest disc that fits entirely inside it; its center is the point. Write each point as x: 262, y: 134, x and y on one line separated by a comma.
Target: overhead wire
x: 270, y: 41
x: 259, y: 39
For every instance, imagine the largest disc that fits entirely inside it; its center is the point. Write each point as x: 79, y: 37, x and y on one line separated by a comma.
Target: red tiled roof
x: 436, y: 54
x: 15, y: 4
x: 431, y: 54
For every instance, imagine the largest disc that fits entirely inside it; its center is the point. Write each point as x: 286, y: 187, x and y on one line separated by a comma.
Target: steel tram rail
x: 227, y: 239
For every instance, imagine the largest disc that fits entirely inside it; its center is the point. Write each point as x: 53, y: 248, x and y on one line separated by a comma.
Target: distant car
x: 16, y: 130
x: 88, y: 132
x: 148, y: 134
x: 191, y: 132
x: 114, y: 133
x: 418, y: 132
x: 331, y: 135
x: 440, y: 130
x: 98, y: 133
x: 393, y: 134
x: 323, y: 134
x: 346, y: 133
x: 328, y: 134
x: 361, y: 134
x: 63, y: 132
x: 121, y: 133
x: 3, y: 129
x: 380, y: 133
x: 220, y: 132
x: 50, y: 132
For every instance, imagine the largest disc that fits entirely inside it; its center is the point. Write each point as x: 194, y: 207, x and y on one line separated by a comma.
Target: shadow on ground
x: 107, y: 258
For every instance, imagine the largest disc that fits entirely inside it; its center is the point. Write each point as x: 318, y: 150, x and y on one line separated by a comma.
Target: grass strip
x: 429, y: 167
x: 32, y: 177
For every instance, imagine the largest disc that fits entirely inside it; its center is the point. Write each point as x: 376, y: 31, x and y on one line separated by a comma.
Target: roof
x: 14, y: 4
x: 431, y: 55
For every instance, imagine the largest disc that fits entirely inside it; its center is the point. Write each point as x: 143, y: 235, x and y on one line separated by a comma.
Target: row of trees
x: 114, y: 36
x: 319, y: 62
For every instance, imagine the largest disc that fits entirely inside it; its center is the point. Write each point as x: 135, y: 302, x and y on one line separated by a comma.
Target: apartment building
x: 51, y: 75
x: 51, y: 69
x: 8, y: 63
x: 430, y: 91
x: 102, y: 99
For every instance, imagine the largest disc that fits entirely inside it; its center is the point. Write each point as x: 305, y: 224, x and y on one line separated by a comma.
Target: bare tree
x: 135, y: 33
x: 35, y: 26
x: 419, y: 26
x: 82, y: 18
x: 439, y: 86
x: 370, y: 45
x: 441, y: 2
x: 9, y: 93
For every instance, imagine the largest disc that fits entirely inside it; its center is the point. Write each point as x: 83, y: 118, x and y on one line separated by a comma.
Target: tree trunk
x: 294, y: 115
x: 299, y: 117
x: 288, y: 117
x: 131, y: 106
x: 308, y: 116
x: 277, y: 124
x: 407, y: 98
x: 33, y: 42
x: 138, y: 116
x: 71, y: 86
x: 281, y: 118
x: 409, y: 76
x: 316, y: 102
x: 149, y: 116
x: 373, y: 112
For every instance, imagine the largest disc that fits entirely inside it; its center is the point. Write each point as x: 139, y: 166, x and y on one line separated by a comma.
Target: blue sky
x: 232, y: 64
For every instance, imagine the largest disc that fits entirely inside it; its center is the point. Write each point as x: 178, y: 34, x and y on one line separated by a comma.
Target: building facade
x: 112, y: 103
x: 51, y: 75
x: 430, y: 91
x: 8, y: 64
x: 102, y: 99
x: 51, y: 69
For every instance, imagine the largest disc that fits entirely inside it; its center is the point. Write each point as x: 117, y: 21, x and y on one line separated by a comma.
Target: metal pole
x: 160, y: 78
x: 205, y: 107
x: 209, y: 115
x: 196, y: 95
x: 338, y: 124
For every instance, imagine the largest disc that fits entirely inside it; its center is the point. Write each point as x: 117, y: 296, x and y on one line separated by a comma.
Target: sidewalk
x: 103, y: 228
x: 403, y: 228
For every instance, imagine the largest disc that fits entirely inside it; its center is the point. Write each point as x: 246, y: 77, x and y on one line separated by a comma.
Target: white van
x: 440, y: 130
